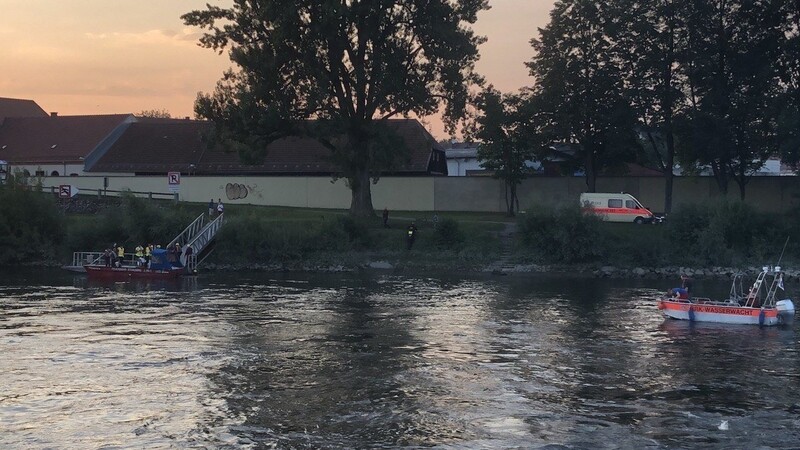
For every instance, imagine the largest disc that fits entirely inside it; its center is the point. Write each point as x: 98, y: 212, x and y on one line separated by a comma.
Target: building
x: 158, y: 146
x: 38, y: 144
x: 462, y: 159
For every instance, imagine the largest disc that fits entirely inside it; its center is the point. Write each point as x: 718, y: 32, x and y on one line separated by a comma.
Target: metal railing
x: 204, y: 237
x: 189, y: 232
x: 101, y: 192
x: 197, y: 235
x: 79, y: 259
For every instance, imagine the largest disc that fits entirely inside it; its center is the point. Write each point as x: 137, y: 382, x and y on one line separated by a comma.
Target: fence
x: 481, y: 194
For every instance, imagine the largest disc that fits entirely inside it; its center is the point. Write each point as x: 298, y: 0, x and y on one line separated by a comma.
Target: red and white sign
x: 67, y: 191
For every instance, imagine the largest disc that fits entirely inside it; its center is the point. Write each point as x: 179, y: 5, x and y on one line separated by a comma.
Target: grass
x: 270, y: 235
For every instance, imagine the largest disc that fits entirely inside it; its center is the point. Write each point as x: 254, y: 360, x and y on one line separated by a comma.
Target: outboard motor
x: 785, y: 310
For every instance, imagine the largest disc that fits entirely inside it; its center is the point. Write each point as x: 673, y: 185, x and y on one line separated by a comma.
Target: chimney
x: 53, y: 114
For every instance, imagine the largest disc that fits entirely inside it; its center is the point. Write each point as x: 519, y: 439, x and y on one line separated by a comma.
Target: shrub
x: 563, y: 235
x: 31, y: 227
x: 685, y: 223
x: 255, y: 238
x: 346, y: 230
x: 726, y: 233
x: 448, y: 235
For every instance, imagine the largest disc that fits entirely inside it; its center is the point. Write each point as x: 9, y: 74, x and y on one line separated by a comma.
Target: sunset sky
x: 110, y: 57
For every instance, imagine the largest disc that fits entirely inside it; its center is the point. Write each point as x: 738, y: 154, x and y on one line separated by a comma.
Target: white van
x: 620, y: 207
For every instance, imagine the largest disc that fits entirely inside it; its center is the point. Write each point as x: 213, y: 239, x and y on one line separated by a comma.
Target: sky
x: 79, y: 57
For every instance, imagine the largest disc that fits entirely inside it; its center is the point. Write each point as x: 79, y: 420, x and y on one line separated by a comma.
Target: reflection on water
x: 380, y: 360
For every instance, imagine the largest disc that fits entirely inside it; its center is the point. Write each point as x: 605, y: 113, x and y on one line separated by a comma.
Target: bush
x: 31, y: 227
x: 563, y: 235
x: 685, y: 224
x: 345, y: 232
x: 727, y: 233
x: 255, y: 238
x: 448, y: 235
x: 135, y: 221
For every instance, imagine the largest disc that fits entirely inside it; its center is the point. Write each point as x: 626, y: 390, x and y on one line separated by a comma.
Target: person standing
x: 385, y: 218
x: 411, y: 232
x: 220, y: 207
x: 120, y: 255
x: 107, y: 257
x: 139, y: 252
x: 187, y: 256
x: 211, y: 208
x: 686, y: 284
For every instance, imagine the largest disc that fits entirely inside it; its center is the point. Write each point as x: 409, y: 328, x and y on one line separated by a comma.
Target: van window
x: 630, y: 204
x: 615, y: 203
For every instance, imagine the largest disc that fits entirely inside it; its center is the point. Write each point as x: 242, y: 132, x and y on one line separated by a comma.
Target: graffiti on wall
x: 236, y: 191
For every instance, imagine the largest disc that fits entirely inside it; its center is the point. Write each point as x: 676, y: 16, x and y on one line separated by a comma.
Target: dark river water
x: 383, y: 361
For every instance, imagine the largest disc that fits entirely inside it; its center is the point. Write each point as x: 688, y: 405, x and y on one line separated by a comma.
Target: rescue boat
x: 757, y: 307
x: 159, y: 269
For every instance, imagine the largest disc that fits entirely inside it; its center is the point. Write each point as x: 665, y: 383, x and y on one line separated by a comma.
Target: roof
x: 15, y: 107
x: 158, y: 146
x: 462, y: 153
x: 455, y: 145
x: 56, y: 139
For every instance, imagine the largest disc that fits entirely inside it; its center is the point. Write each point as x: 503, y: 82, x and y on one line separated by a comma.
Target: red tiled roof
x: 41, y: 140
x: 157, y: 146
x: 15, y: 107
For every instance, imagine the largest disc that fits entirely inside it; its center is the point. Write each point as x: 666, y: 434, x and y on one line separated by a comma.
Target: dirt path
x: 507, y: 236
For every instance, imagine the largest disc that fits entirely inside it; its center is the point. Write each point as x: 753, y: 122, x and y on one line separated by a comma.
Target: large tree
x: 789, y: 100
x: 653, y: 33
x: 732, y: 62
x: 579, y: 89
x: 504, y: 147
x: 336, y: 71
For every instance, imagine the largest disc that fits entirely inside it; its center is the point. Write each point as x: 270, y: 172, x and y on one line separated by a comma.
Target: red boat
x: 97, y: 272
x: 159, y: 269
x: 750, y: 307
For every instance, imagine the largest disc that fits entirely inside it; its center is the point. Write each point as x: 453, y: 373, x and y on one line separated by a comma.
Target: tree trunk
x: 721, y: 177
x: 669, y: 178
x: 361, y: 203
x: 591, y: 174
x: 511, y: 198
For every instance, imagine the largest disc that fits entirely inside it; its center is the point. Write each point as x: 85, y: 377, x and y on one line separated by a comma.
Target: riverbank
x: 711, y: 241
x: 579, y: 270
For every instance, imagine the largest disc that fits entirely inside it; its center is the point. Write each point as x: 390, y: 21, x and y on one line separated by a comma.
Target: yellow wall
x: 441, y: 193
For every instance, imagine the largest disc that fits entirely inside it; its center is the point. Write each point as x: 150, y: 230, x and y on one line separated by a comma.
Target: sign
x: 174, y: 181
x: 67, y: 191
x: 174, y: 178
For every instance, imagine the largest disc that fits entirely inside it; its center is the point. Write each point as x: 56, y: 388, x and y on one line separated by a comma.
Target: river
x: 380, y: 360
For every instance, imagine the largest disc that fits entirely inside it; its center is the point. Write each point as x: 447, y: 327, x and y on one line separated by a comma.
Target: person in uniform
x: 411, y: 233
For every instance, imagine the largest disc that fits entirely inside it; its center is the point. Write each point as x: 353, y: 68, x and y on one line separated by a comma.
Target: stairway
x: 198, y: 235
x: 503, y: 265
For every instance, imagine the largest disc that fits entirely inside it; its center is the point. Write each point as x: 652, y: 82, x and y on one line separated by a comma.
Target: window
x: 40, y: 173
x: 615, y: 203
x: 630, y: 204
x: 54, y: 173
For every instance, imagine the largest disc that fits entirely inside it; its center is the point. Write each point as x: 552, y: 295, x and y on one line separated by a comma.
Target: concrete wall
x: 440, y: 193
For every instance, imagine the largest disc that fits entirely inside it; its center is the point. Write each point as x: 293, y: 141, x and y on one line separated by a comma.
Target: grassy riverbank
x: 39, y: 229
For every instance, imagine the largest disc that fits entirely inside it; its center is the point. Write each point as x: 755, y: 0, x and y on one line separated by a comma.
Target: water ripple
x: 383, y: 361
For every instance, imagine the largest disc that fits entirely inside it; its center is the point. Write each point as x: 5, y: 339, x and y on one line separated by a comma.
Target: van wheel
x: 638, y: 221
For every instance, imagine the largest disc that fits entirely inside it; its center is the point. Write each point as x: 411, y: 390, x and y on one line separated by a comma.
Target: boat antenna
x: 784, y: 249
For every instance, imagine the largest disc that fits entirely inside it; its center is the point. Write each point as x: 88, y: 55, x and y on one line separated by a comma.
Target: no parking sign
x: 174, y: 181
